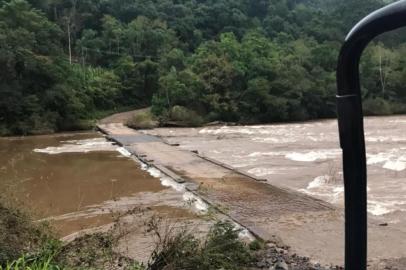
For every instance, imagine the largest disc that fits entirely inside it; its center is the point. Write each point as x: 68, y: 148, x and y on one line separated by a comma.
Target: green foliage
x: 87, y: 252
x: 19, y: 235
x: 44, y: 259
x: 257, y: 245
x: 244, y: 61
x: 221, y: 249
x: 24, y: 245
x: 40, y: 92
x: 29, y: 264
x: 185, y: 117
x: 377, y: 106
x: 28, y: 41
x: 143, y: 120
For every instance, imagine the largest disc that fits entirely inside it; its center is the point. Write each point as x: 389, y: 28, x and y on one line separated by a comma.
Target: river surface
x: 306, y: 157
x: 82, y: 181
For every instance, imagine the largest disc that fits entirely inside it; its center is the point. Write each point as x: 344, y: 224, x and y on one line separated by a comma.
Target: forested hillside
x: 66, y: 62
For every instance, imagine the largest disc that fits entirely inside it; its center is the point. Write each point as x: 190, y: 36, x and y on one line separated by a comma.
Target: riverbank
x: 221, y: 247
x: 80, y: 183
x: 62, y: 165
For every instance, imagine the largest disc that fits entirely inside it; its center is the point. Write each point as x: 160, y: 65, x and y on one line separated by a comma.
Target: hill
x: 68, y: 62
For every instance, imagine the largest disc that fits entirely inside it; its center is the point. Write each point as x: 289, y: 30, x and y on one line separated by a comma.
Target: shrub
x: 377, y: 106
x: 144, y: 120
x: 398, y: 108
x: 19, y: 234
x: 221, y: 249
x: 185, y: 116
x: 24, y: 263
x: 257, y: 245
x: 27, y: 245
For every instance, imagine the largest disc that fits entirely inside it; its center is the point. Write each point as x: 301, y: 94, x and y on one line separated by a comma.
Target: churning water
x: 306, y: 157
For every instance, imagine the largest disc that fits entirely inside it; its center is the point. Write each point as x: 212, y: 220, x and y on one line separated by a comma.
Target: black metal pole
x: 351, y: 127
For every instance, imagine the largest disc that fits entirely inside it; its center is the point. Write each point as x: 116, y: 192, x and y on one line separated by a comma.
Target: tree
x: 64, y: 61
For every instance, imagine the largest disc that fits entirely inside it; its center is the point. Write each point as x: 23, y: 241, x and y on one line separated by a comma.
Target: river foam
x: 124, y: 152
x: 261, y: 171
x: 393, y: 159
x: 79, y: 146
x: 329, y: 189
x: 189, y: 198
x: 325, y: 187
x: 101, y: 144
x: 379, y: 206
x: 313, y: 155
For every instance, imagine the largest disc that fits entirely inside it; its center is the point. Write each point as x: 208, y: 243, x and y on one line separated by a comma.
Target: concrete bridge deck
x: 312, y: 228
x: 269, y: 212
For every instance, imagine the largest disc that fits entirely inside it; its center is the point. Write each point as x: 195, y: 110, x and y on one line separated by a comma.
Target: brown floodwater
x: 306, y: 157
x: 78, y: 181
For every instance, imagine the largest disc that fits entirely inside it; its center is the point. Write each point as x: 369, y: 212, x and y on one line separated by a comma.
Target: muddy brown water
x: 306, y: 157
x: 79, y: 181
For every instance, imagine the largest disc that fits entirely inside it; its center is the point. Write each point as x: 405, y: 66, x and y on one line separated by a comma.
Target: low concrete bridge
x: 311, y: 227
x: 271, y: 213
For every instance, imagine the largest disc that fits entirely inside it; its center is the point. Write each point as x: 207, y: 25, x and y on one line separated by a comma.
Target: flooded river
x: 306, y: 157
x: 81, y: 181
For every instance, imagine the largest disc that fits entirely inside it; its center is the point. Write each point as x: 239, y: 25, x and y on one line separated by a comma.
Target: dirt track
x: 121, y: 117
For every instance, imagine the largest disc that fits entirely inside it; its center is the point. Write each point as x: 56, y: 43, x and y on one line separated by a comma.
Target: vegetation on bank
x: 29, y: 245
x: 65, y: 62
x: 220, y: 249
x: 94, y: 251
x: 142, y: 120
x: 19, y: 234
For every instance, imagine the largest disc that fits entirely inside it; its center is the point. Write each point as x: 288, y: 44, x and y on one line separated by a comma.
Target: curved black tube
x: 351, y: 127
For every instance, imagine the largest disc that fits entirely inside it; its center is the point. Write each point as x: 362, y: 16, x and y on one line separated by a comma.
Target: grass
x: 19, y: 234
x: 220, y: 249
x: 25, y: 244
x: 29, y: 245
x: 43, y: 260
x: 26, y: 264
x: 90, y: 252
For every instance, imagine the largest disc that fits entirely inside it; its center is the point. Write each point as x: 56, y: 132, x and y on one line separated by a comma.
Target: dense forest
x: 65, y: 63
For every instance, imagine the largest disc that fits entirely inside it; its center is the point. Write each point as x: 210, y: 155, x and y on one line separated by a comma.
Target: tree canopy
x: 65, y: 62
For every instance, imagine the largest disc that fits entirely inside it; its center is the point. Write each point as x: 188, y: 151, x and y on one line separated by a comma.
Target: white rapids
x: 307, y: 157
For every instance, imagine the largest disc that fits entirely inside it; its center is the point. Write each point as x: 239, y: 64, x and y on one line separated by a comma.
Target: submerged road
x: 312, y: 227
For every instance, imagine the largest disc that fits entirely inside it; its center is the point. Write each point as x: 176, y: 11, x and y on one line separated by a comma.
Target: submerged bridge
x: 313, y: 228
